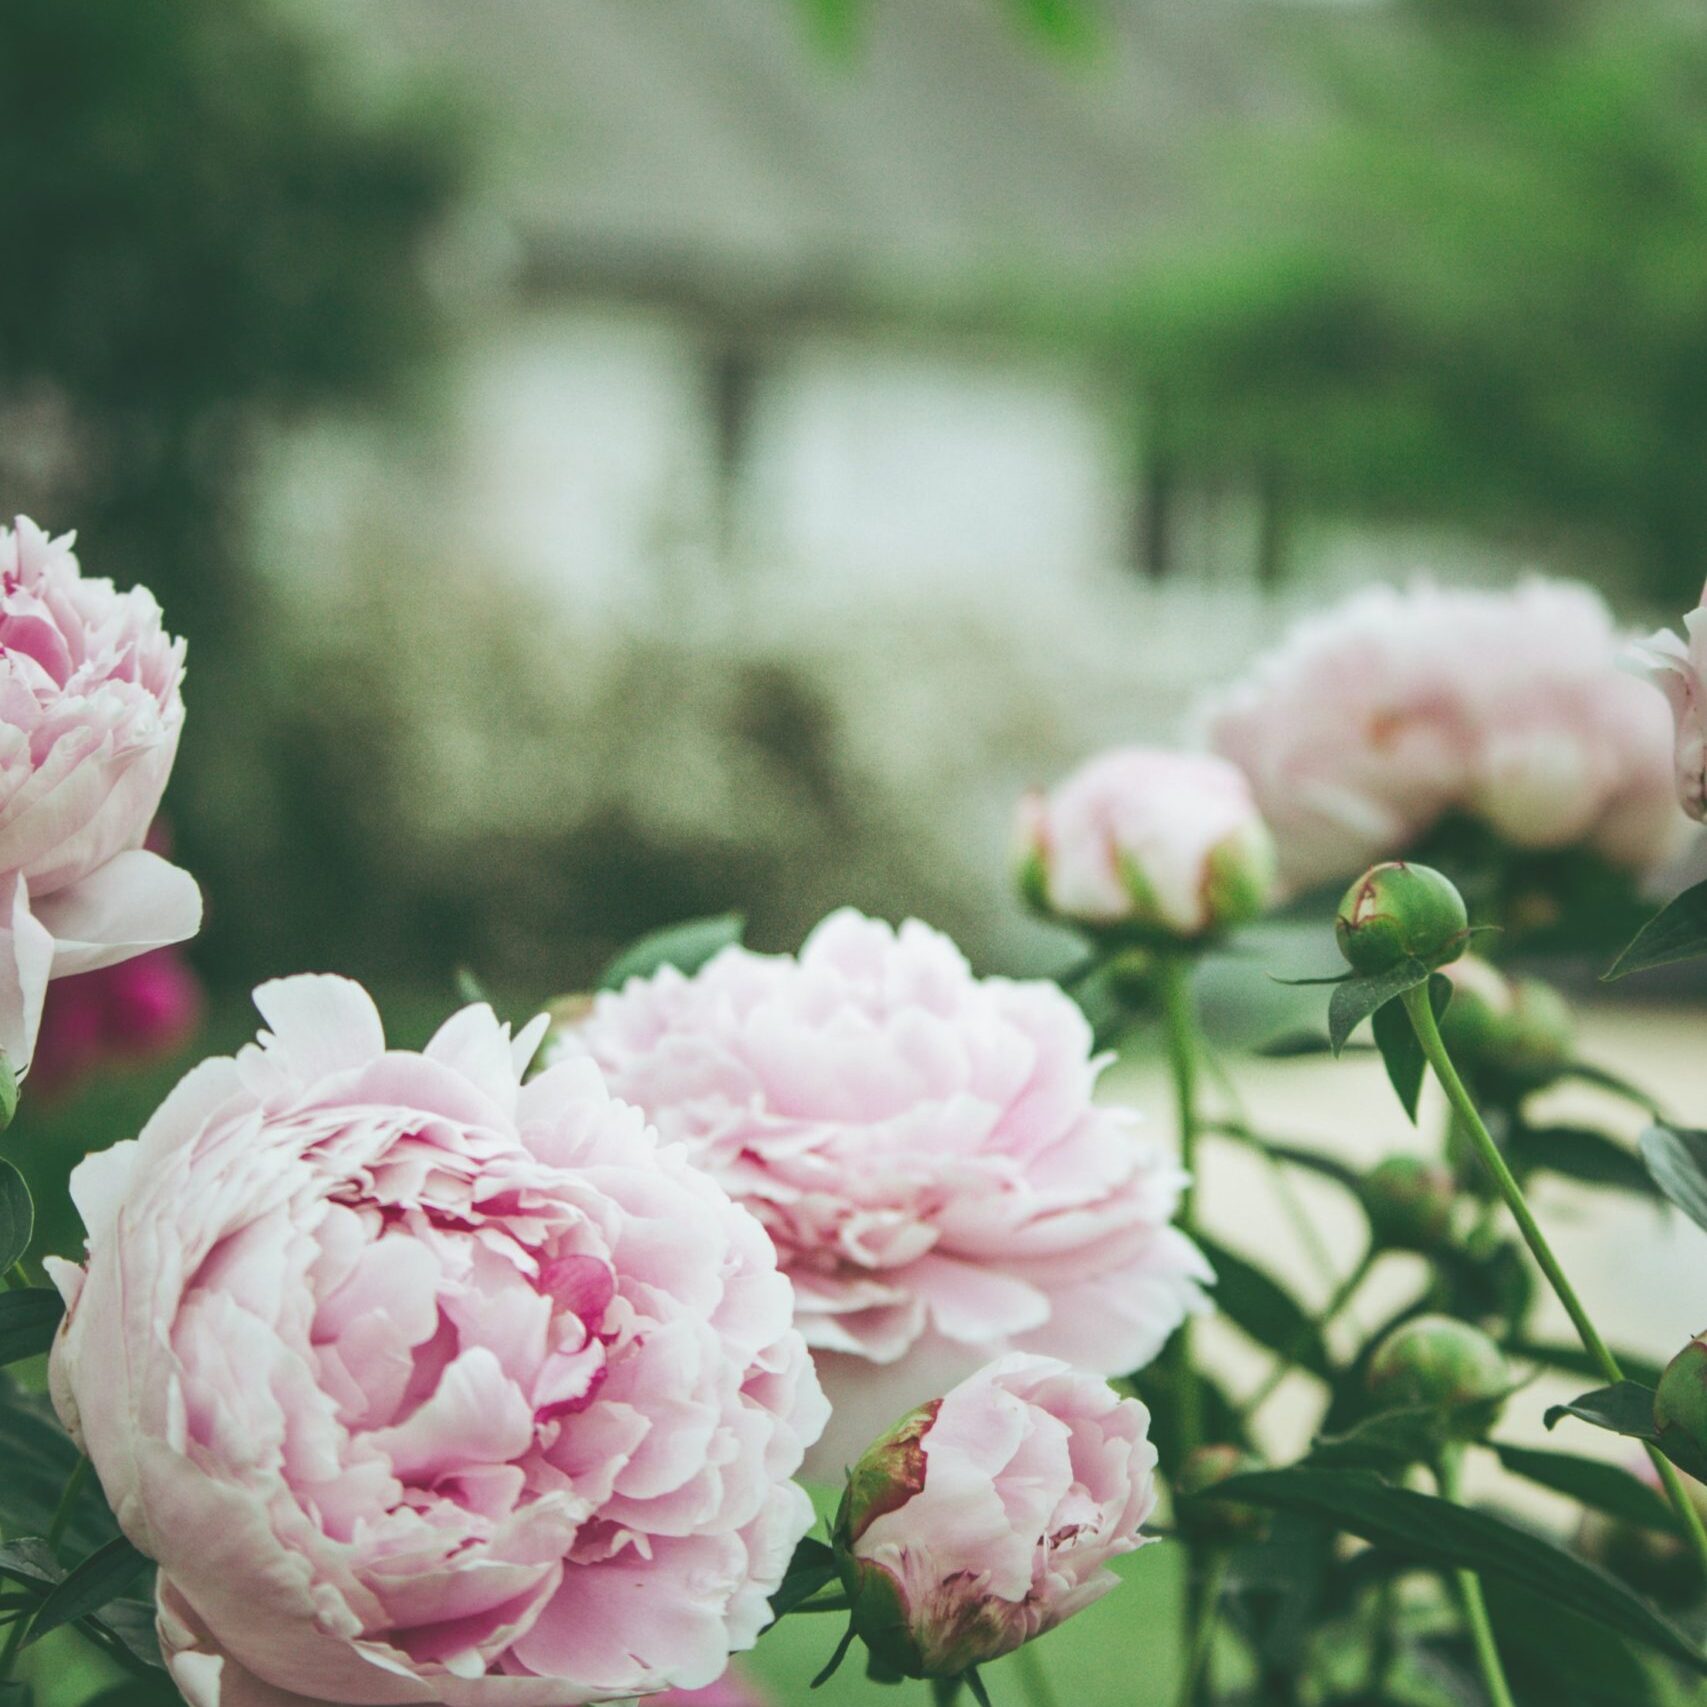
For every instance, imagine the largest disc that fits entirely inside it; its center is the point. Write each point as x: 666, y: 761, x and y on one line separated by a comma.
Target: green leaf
x: 813, y: 1567
x: 471, y: 988
x: 1258, y: 1305
x: 1564, y: 1662
x: 1411, y: 1435
x: 1575, y: 1361
x: 1626, y: 1407
x: 129, y: 1627
x: 687, y: 947
x: 1678, y: 931
x: 1580, y: 1153
x: 976, y: 1684
x: 1354, y: 1000
x: 1677, y: 1159
x: 28, y: 1318
x: 834, y: 1663
x: 1294, y: 1155
x: 1290, y: 1045
x: 36, y: 1459
x: 1592, y: 1482
x: 1600, y: 1077
x: 1401, y: 1052
x: 101, y: 1577
x: 17, y: 1215
x: 1436, y: 1532
x: 30, y: 1560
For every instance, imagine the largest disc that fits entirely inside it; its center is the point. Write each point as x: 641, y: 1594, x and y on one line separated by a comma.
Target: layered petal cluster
x: 924, y: 1149
x: 90, y: 712
x: 1374, y: 721
x: 1678, y: 668
x: 1169, y: 842
x: 989, y: 1516
x: 425, y: 1385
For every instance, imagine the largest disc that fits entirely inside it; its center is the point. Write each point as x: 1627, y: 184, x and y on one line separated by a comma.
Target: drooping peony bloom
x: 924, y: 1149
x: 989, y: 1516
x: 1170, y: 842
x: 1678, y: 668
x: 141, y: 1010
x: 90, y: 711
x: 425, y: 1385
x: 1373, y: 722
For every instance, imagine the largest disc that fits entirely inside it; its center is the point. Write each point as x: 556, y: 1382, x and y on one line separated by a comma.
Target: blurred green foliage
x: 210, y: 222
x: 1464, y: 283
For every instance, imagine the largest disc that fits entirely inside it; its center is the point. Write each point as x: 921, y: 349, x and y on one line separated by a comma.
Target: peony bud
x: 1397, y: 912
x: 1520, y: 1031
x: 1409, y: 1202
x: 988, y: 1516
x: 1223, y: 1522
x: 1167, y: 844
x: 1680, y: 1407
x: 1438, y: 1363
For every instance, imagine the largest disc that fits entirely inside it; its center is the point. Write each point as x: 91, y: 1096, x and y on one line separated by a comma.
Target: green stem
x: 1179, y: 1016
x: 1470, y: 1590
x: 67, y: 1504
x: 1421, y: 1011
x: 18, y: 1276
x: 1203, y: 1643
x: 1032, y: 1675
x: 14, y: 1641
x: 1288, y: 1359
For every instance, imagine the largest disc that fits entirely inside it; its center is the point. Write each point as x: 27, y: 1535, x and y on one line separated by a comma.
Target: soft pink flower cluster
x: 1170, y: 842
x: 990, y: 1516
x: 90, y: 712
x: 1377, y: 719
x: 426, y: 1385
x: 1678, y: 668
x: 923, y: 1147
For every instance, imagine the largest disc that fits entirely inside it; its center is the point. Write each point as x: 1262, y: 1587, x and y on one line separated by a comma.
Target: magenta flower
x: 924, y: 1149
x: 90, y: 711
x: 140, y: 1010
x: 425, y: 1385
x: 989, y: 1516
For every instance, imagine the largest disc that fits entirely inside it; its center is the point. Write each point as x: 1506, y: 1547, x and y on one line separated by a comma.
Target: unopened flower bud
x: 984, y: 1518
x: 1397, y: 912
x: 1409, y: 1201
x: 1215, y: 1521
x: 1438, y: 1363
x: 1680, y: 1407
x: 1520, y: 1031
x: 1159, y: 843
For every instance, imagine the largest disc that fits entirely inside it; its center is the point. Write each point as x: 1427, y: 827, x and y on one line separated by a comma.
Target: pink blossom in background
x: 991, y: 1515
x: 923, y: 1147
x: 140, y: 1010
x: 1170, y: 841
x: 1370, y: 723
x: 425, y: 1385
x: 90, y: 712
x: 1678, y: 668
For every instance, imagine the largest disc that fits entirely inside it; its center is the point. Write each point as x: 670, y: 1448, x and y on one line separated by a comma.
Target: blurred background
x: 616, y: 461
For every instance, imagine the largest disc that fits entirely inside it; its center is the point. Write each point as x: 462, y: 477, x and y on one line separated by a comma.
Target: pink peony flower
x: 730, y: 1690
x: 1168, y: 841
x: 141, y: 1010
x: 923, y: 1148
x: 1678, y: 668
x: 1374, y: 721
x: 90, y: 711
x: 425, y: 1385
x: 989, y: 1516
